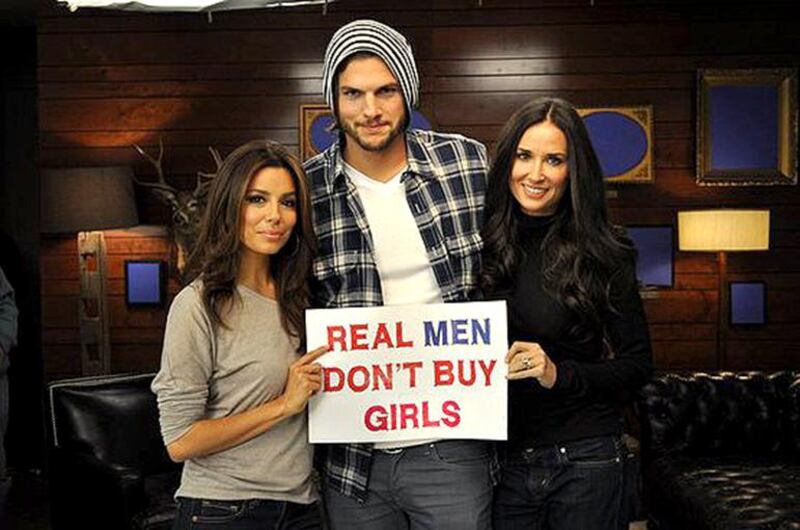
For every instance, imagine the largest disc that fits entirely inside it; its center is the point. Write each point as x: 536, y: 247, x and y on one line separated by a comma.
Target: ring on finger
x: 526, y: 363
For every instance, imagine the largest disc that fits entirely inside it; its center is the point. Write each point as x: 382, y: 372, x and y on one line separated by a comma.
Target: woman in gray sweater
x: 232, y: 389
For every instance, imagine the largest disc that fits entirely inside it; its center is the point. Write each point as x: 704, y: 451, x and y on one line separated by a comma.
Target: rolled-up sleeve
x: 181, y: 385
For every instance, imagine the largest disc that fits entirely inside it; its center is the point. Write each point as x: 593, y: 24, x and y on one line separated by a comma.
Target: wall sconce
x: 723, y: 231
x: 87, y: 200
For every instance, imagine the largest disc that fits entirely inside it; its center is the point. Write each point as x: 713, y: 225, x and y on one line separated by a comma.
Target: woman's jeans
x: 251, y: 514
x: 572, y: 486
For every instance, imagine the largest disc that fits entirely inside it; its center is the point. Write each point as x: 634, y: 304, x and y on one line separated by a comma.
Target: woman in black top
x: 580, y: 345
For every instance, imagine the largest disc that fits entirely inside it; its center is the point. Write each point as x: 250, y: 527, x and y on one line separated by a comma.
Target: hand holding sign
x: 304, y: 380
x: 528, y: 359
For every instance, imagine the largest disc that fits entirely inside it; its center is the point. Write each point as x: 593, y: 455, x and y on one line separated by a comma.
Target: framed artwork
x: 316, y: 122
x: 622, y: 137
x: 748, y: 306
x: 144, y: 282
x: 317, y: 128
x: 655, y: 246
x: 747, y: 127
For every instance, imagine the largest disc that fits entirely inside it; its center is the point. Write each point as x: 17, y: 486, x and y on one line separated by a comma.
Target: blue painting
x: 143, y: 282
x: 622, y: 139
x: 748, y: 306
x: 747, y: 126
x: 654, y: 246
x: 744, y: 127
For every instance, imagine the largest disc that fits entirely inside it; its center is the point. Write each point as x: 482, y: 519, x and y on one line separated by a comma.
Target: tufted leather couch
x: 108, y: 465
x: 722, y: 451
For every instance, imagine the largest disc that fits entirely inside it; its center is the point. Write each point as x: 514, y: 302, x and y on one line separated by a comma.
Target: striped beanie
x: 371, y: 36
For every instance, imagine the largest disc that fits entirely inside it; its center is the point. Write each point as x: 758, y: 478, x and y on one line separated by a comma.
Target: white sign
x: 399, y: 373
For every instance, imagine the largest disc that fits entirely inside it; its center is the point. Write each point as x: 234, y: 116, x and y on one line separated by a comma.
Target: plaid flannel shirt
x: 445, y: 186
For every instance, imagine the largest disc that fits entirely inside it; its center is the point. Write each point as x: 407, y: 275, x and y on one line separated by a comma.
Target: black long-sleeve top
x: 590, y: 387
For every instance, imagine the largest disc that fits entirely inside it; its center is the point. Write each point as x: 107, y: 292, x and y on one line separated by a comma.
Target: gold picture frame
x: 308, y: 113
x: 622, y: 137
x: 746, y: 127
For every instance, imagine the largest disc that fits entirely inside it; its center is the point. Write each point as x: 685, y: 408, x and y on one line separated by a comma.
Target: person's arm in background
x: 8, y: 318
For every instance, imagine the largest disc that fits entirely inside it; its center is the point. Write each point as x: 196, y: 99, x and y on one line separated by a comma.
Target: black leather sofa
x: 108, y: 465
x: 722, y: 451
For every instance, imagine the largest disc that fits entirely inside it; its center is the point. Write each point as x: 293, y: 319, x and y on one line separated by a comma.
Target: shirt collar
x: 419, y: 160
x: 419, y: 156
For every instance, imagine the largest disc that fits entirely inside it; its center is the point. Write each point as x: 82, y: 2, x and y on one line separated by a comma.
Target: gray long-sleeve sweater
x: 213, y: 373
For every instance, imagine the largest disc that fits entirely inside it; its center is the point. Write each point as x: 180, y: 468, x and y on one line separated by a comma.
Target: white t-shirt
x: 405, y: 271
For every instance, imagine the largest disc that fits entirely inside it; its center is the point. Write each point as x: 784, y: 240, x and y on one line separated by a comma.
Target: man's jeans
x: 252, y: 514
x: 572, y: 486
x: 444, y: 485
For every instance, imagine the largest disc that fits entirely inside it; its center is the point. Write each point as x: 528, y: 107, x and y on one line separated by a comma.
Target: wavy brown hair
x: 218, y: 252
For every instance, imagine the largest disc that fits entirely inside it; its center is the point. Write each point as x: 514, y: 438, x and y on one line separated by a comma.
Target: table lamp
x: 86, y: 201
x: 722, y: 231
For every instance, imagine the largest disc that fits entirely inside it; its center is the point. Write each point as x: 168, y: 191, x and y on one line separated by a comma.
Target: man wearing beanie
x: 397, y: 214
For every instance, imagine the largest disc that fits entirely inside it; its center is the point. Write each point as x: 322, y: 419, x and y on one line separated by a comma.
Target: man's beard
x: 352, y: 132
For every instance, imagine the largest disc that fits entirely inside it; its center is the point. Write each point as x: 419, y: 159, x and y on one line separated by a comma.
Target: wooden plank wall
x: 136, y: 333
x: 107, y: 80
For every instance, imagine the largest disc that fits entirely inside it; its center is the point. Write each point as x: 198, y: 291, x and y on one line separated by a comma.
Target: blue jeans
x: 572, y: 486
x: 438, y: 486
x: 251, y: 514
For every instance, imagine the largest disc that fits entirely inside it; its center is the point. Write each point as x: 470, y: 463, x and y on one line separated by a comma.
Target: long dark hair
x: 218, y: 251
x: 582, y: 250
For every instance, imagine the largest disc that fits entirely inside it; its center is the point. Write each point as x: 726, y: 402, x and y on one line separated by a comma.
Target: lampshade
x: 723, y: 230
x: 88, y: 198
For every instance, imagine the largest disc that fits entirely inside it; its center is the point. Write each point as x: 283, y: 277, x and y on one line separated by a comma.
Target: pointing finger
x: 313, y: 355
